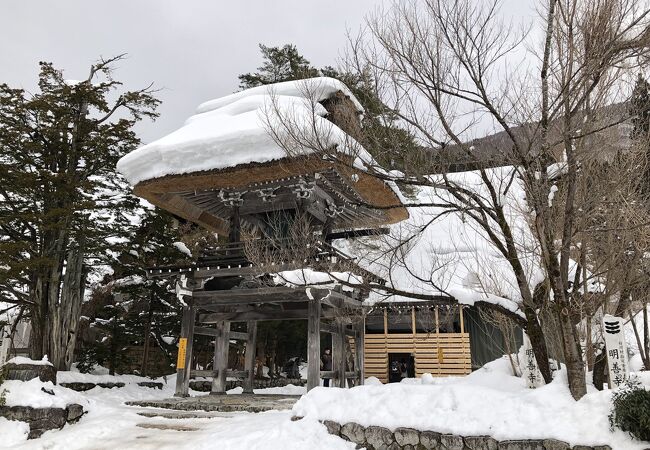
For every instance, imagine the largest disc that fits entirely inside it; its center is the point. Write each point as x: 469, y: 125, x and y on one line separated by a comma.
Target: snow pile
x: 33, y: 362
x: 234, y: 130
x: 38, y: 394
x: 488, y: 402
x: 12, y: 432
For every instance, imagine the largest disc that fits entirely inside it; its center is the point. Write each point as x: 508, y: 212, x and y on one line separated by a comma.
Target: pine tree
x: 391, y: 145
x: 280, y: 64
x: 62, y: 206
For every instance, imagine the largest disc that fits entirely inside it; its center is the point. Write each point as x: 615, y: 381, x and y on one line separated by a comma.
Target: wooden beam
x: 333, y: 374
x: 243, y: 293
x: 205, y: 331
x: 332, y: 329
x: 249, y: 356
x: 313, y: 343
x: 350, y: 234
x: 212, y: 373
x: 293, y: 314
x: 220, y: 361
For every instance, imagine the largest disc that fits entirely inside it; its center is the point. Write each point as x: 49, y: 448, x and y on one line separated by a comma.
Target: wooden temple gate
x: 210, y: 312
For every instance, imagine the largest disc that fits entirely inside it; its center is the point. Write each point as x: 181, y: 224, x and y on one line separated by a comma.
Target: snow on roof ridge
x: 232, y: 131
x: 318, y: 88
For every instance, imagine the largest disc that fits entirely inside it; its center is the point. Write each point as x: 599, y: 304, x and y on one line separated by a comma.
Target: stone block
x: 451, y: 442
x: 353, y: 432
x: 332, y: 427
x: 429, y: 440
x: 582, y: 447
x: 379, y: 438
x: 151, y: 384
x: 524, y: 444
x: 481, y: 443
x: 602, y: 447
x: 555, y: 444
x: 26, y: 372
x: 74, y: 412
x: 406, y: 436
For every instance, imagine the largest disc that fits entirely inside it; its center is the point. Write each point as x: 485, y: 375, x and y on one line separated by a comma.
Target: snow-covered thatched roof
x: 233, y: 130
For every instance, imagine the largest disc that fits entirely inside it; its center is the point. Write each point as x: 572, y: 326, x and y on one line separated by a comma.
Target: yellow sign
x: 441, y: 355
x: 182, y: 352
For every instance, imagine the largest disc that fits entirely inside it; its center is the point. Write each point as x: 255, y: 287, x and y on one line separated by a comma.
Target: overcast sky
x: 191, y: 49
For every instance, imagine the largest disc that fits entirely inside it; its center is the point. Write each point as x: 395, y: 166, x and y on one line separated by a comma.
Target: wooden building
x: 255, y: 199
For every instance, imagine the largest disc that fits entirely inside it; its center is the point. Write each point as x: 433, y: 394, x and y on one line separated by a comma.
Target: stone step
x: 165, y: 426
x: 171, y: 414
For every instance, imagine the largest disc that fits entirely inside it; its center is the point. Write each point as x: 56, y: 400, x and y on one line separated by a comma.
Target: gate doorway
x: 398, y: 363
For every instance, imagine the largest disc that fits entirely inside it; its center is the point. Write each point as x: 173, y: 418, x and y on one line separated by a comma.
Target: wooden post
x: 249, y: 356
x: 338, y: 355
x: 387, y: 373
x: 360, y: 351
x: 220, y: 361
x: 313, y: 343
x: 234, y: 232
x: 414, y: 328
x: 438, y: 342
x: 462, y: 320
x: 184, y: 360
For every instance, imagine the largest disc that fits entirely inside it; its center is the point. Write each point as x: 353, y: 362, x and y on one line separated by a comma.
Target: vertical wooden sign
x: 530, y: 369
x: 5, y: 343
x: 616, y: 349
x: 182, y: 353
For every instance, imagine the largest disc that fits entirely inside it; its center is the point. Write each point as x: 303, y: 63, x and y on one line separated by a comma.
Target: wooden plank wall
x: 440, y: 354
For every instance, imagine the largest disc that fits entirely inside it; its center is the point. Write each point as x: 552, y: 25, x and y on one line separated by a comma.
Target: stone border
x: 84, y: 386
x: 206, y: 385
x: 380, y: 438
x: 41, y: 420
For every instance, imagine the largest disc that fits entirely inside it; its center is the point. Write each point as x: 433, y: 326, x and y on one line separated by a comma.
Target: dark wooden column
x: 249, y: 356
x: 359, y: 351
x: 234, y: 233
x: 220, y: 361
x: 338, y: 355
x: 313, y: 343
x: 184, y: 360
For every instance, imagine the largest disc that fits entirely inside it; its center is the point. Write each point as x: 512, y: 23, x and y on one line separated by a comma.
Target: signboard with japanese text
x: 182, y: 353
x: 530, y: 369
x: 616, y: 349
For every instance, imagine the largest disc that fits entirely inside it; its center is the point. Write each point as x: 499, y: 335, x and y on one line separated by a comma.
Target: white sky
x: 192, y: 49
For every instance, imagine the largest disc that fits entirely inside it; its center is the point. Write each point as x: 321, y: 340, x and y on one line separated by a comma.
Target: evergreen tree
x: 391, y: 145
x: 128, y: 309
x: 640, y: 108
x: 62, y: 206
x: 640, y: 112
x: 280, y: 64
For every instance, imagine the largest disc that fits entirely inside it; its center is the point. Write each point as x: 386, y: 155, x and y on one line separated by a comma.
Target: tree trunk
x: 575, y: 366
x: 147, y: 337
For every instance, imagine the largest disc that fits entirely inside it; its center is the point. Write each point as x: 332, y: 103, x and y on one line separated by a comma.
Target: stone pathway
x: 224, y: 403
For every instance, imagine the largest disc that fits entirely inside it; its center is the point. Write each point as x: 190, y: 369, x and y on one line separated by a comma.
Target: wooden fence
x: 440, y: 354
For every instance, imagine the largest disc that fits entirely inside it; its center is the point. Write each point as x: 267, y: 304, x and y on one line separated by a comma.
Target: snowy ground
x: 490, y: 401
x: 112, y: 425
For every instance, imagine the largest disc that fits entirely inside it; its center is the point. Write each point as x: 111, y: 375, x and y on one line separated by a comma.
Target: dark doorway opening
x: 400, y: 365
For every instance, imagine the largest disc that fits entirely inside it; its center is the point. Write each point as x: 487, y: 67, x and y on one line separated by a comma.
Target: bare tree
x: 452, y: 71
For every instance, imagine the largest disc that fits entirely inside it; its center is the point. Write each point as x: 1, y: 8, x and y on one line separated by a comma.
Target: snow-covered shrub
x: 631, y: 410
